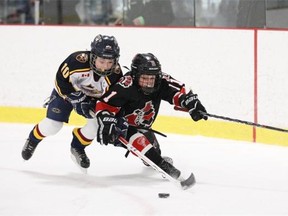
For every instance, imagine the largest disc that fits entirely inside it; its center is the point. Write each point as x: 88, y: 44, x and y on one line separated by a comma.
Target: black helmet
x: 148, y: 64
x: 105, y: 47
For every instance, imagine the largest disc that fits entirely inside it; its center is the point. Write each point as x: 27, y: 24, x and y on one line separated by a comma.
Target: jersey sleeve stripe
x: 58, y: 89
x: 79, y: 71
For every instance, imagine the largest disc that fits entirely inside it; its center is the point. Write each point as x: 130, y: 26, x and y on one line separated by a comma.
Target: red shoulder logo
x: 125, y: 81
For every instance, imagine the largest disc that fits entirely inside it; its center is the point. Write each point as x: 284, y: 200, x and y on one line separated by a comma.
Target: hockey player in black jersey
x: 137, y: 97
x: 82, y: 78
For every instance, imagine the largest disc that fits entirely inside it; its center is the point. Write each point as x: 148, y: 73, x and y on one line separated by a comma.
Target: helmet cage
x: 149, y: 90
x: 100, y: 72
x: 141, y: 65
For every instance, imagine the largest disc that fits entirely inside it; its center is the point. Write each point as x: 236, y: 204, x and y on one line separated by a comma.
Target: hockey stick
x: 151, y: 130
x: 183, y: 183
x: 236, y: 120
x: 244, y: 122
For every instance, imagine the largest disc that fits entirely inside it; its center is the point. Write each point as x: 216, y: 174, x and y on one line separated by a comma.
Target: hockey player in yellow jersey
x: 82, y: 78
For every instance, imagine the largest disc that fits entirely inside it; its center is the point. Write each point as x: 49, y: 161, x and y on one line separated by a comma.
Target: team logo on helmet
x: 153, y: 63
x: 108, y: 47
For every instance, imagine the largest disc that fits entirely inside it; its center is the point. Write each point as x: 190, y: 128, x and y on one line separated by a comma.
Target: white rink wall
x: 217, y: 63
x: 273, y: 78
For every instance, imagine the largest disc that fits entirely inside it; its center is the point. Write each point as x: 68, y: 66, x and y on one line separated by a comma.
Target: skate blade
x: 83, y: 170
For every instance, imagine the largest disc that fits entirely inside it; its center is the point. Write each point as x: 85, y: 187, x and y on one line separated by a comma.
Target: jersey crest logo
x: 90, y: 90
x: 82, y: 57
x: 125, y: 81
x: 144, y: 116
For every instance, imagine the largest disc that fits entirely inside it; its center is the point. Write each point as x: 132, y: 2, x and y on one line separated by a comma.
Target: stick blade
x: 189, y: 182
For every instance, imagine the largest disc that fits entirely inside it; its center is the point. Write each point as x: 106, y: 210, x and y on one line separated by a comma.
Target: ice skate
x: 80, y: 158
x: 168, y: 159
x: 28, y: 149
x: 169, y: 169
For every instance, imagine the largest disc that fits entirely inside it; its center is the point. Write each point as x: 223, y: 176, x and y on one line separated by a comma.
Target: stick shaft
x: 245, y: 122
x: 237, y: 120
x: 131, y: 148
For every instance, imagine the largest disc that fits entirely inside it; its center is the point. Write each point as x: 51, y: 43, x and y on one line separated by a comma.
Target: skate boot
x: 169, y: 169
x: 80, y: 157
x: 28, y: 149
x: 168, y: 159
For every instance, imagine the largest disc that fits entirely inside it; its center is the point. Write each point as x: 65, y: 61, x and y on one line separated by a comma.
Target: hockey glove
x: 107, y: 132
x: 122, y: 129
x: 82, y: 104
x: 191, y: 102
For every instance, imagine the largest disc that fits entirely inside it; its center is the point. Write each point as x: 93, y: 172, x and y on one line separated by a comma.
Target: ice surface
x: 233, y: 178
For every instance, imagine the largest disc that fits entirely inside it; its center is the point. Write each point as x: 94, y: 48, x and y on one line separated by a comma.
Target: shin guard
x: 142, y: 144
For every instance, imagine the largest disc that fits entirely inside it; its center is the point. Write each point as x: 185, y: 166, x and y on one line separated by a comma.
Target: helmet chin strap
x: 103, y: 72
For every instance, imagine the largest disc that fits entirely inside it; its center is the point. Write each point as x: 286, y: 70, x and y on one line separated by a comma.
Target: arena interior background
x: 238, y: 73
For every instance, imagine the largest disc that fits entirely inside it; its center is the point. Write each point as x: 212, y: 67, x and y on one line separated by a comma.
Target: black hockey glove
x: 110, y: 128
x: 191, y: 102
x: 106, y: 128
x: 122, y: 129
x: 82, y: 104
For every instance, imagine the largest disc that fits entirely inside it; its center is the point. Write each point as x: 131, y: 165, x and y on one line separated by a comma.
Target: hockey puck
x: 163, y: 195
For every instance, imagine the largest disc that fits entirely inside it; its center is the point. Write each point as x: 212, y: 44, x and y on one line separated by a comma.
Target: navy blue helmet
x: 105, y: 47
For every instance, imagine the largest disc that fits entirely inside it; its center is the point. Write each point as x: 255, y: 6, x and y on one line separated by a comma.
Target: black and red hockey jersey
x: 126, y: 99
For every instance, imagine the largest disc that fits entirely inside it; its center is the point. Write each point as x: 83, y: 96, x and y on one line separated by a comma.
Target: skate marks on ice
x: 231, y: 178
